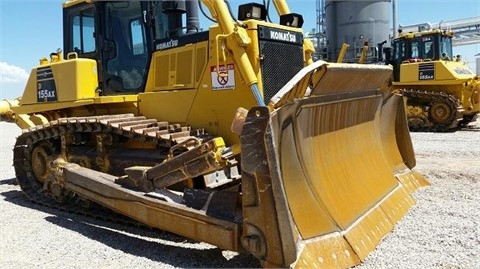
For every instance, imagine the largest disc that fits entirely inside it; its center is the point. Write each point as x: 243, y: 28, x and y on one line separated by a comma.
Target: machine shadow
x: 9, y: 181
x: 154, y: 244
x: 159, y: 246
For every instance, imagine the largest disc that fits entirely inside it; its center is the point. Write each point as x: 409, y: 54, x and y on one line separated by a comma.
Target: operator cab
x: 421, y: 47
x: 120, y: 36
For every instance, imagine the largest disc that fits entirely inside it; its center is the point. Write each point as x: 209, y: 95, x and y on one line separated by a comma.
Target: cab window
x: 415, y: 49
x: 161, y: 21
x: 428, y: 46
x: 125, y: 62
x: 83, y: 32
x: 446, y: 46
x: 400, y: 51
x: 138, y: 37
x: 428, y: 50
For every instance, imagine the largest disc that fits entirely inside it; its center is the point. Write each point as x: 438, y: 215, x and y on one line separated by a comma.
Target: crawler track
x: 432, y: 111
x: 470, y: 129
x: 50, y: 138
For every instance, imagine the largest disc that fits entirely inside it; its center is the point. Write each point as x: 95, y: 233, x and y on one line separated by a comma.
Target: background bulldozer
x: 232, y: 136
x: 442, y: 92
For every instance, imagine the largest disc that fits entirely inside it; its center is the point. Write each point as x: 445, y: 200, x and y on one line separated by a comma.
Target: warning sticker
x: 225, y: 78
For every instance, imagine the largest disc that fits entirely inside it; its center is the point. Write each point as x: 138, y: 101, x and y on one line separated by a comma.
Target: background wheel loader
x: 231, y: 136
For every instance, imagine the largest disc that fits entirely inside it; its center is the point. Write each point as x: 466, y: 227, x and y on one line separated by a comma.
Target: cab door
x: 126, y: 48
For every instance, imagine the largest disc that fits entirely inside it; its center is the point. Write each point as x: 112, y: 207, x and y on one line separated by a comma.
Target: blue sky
x: 32, y: 29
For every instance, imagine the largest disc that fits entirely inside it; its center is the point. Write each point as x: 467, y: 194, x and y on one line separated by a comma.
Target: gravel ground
x: 440, y: 231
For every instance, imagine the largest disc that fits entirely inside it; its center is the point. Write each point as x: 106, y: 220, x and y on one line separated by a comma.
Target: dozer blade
x: 397, y: 144
x: 326, y: 174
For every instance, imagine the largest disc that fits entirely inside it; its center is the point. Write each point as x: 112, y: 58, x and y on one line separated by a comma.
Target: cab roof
x: 409, y: 35
x: 70, y: 3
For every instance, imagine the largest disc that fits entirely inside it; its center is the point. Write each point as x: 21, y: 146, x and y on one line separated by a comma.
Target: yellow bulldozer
x: 232, y: 135
x: 443, y: 94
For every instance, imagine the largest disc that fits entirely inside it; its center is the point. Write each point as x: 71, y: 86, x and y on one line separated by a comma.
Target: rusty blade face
x: 323, y: 178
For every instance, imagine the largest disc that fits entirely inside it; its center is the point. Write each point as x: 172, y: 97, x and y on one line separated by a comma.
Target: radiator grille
x: 280, y: 62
